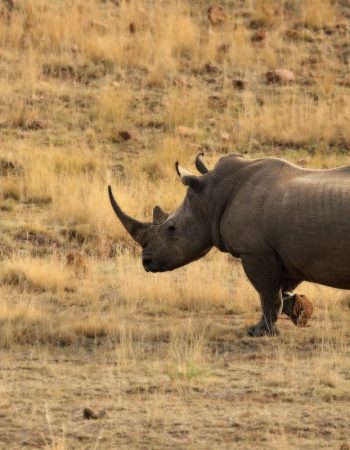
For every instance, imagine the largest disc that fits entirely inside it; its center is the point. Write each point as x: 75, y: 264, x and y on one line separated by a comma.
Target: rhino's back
x: 321, y: 195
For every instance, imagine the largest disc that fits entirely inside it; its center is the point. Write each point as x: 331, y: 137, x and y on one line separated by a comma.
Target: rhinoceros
x: 286, y: 224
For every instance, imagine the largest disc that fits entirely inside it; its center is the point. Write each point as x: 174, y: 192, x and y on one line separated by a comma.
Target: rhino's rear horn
x: 188, y: 179
x: 201, y: 167
x: 159, y: 215
x: 135, y: 228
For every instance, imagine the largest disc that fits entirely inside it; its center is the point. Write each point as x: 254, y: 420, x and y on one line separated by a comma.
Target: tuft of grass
x: 36, y: 275
x: 189, y: 371
x: 187, y: 349
x: 113, y: 107
x: 183, y: 109
x: 10, y: 189
x: 318, y: 14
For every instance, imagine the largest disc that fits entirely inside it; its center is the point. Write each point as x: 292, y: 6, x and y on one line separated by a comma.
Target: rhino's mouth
x: 159, y: 268
x: 151, y: 266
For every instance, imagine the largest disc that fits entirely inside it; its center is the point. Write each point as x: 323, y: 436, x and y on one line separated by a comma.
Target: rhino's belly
x: 323, y: 264
x: 332, y: 278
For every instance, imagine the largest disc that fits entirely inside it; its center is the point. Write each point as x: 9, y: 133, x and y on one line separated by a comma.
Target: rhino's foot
x: 261, y: 329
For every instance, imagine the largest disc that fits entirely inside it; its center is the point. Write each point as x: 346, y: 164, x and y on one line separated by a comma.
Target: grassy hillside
x: 114, y: 92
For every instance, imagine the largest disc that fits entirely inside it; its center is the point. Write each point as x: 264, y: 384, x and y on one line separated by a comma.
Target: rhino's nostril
x: 146, y: 261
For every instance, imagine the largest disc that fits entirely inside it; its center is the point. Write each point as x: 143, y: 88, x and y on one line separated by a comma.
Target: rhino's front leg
x: 264, y: 273
x: 271, y: 304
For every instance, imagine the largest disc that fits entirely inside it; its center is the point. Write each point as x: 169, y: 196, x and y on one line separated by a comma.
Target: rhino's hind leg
x: 264, y: 274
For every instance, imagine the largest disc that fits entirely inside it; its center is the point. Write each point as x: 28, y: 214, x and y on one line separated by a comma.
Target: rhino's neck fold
x: 220, y: 203
x: 217, y: 239
x: 220, y: 244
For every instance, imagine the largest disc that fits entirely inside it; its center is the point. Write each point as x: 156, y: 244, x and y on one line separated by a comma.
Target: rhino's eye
x: 171, y: 228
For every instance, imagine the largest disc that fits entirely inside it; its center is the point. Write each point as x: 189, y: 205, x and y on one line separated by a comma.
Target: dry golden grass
x: 318, y: 14
x: 36, y: 275
x: 164, y: 355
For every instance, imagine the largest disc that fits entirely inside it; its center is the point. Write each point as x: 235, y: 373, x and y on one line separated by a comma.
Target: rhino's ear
x: 201, y: 167
x: 188, y: 179
x: 159, y: 215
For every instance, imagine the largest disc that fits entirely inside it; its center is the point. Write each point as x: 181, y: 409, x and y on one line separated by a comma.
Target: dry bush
x: 10, y: 189
x: 78, y: 263
x: 45, y: 171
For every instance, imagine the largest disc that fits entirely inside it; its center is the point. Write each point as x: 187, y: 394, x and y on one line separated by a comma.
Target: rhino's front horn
x: 135, y: 228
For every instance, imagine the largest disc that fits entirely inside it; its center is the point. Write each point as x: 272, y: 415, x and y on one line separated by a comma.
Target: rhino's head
x: 173, y: 240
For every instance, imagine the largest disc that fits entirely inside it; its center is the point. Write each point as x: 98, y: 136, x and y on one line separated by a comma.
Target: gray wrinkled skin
x: 286, y: 224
